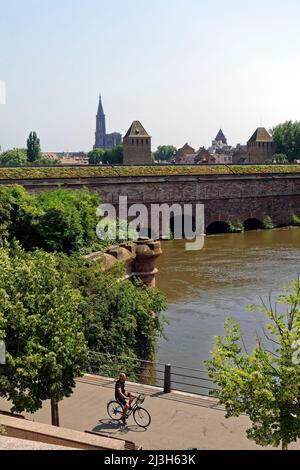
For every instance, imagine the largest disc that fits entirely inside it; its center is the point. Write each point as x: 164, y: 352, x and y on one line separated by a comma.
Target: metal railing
x: 166, y: 376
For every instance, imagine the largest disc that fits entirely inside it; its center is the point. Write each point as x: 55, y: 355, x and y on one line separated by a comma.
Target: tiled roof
x: 136, y: 130
x: 261, y: 135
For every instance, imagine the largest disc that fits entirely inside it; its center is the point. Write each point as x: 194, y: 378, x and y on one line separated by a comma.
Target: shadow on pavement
x: 112, y: 427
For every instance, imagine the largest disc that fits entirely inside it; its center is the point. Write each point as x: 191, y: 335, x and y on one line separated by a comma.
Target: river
x: 204, y: 287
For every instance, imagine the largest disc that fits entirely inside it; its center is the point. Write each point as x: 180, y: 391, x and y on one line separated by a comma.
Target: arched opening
x: 182, y: 226
x: 253, y: 224
x: 217, y: 227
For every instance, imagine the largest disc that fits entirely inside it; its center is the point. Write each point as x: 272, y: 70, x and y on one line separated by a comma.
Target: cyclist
x: 125, y: 399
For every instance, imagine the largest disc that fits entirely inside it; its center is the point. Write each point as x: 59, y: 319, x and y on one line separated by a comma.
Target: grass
x: 20, y: 173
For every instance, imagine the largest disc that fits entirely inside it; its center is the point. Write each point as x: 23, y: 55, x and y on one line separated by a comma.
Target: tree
x: 11, y: 198
x: 165, y: 153
x: 60, y: 220
x: 33, y: 147
x: 112, y: 156
x: 96, y: 156
x: 265, y: 384
x: 120, y: 318
x: 13, y: 157
x: 286, y: 138
x: 45, y: 345
x: 280, y: 158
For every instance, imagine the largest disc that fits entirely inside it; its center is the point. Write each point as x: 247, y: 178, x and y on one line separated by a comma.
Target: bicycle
x: 140, y: 415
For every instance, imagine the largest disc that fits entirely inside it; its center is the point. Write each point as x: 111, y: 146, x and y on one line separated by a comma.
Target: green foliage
x: 165, y: 153
x: 45, y: 161
x: 117, y: 315
x: 33, y: 148
x: 295, y: 220
x: 280, y: 158
x: 286, y: 137
x: 60, y: 220
x: 267, y: 223
x: 265, y: 384
x: 14, y: 157
x: 96, y: 156
x: 236, y: 227
x: 11, y: 198
x: 18, y: 157
x: 42, y: 328
x: 112, y: 156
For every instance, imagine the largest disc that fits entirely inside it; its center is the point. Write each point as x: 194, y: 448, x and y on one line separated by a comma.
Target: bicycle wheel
x: 114, y: 410
x: 142, y: 417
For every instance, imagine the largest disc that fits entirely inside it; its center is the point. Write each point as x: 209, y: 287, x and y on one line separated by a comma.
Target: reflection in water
x: 206, y: 286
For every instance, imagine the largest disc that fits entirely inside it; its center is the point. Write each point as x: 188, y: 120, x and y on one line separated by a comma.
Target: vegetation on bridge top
x: 20, y: 173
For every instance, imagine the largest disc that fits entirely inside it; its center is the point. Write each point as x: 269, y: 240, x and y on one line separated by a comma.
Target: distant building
x: 185, y: 155
x: 68, y: 158
x: 240, y: 155
x: 204, y: 157
x: 137, y: 145
x: 223, y: 158
x: 103, y: 140
x: 260, y: 147
x: 220, y: 145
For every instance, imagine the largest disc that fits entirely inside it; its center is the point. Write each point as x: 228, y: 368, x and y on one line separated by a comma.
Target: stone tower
x: 260, y: 147
x: 137, y: 145
x: 100, y: 127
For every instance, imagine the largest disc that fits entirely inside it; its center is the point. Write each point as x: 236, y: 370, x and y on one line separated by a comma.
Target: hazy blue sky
x: 184, y: 68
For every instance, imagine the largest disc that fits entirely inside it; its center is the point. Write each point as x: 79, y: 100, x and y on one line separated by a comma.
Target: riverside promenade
x: 179, y: 420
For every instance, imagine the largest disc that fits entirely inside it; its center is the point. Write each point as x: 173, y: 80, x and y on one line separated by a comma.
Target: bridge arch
x: 217, y: 227
x: 253, y: 224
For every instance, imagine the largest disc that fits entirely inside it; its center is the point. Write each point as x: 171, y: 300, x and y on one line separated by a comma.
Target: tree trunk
x: 284, y: 446
x: 54, y: 412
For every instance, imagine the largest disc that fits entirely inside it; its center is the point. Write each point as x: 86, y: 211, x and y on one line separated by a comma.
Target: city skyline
x: 200, y: 67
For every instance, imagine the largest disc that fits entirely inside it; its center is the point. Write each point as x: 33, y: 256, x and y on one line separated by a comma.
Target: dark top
x: 120, y: 385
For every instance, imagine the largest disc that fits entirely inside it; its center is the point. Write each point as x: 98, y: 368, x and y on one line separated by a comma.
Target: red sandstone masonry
x: 226, y: 197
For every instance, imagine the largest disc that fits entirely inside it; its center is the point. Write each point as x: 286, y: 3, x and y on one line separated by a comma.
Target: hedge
x: 22, y: 173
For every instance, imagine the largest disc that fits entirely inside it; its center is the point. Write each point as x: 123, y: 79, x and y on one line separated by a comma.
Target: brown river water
x: 204, y: 287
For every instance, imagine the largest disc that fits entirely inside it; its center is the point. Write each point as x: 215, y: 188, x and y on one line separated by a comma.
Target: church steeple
x: 100, y: 126
x: 220, y: 137
x: 100, y: 107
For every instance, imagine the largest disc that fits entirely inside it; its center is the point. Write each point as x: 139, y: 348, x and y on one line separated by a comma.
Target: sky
x: 184, y: 68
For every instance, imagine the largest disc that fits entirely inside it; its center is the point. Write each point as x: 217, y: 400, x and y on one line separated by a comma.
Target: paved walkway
x: 179, y: 421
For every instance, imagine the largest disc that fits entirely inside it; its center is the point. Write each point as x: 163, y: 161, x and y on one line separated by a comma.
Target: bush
x: 236, y: 227
x: 295, y: 220
x: 13, y: 157
x: 267, y: 223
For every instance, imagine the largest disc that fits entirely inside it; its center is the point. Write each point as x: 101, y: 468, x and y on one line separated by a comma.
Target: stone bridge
x: 227, y: 198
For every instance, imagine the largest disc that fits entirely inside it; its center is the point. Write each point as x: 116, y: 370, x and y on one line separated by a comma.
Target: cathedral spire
x: 103, y: 140
x: 100, y: 107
